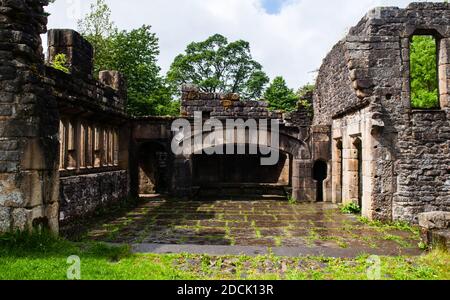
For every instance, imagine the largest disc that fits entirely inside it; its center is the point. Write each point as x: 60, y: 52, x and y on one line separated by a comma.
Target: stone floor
x: 252, y: 223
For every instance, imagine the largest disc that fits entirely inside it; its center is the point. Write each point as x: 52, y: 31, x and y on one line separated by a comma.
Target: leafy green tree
x: 98, y: 29
x: 280, y: 96
x: 424, y: 80
x: 305, y: 90
x: 216, y: 65
x: 133, y: 53
x: 304, y: 95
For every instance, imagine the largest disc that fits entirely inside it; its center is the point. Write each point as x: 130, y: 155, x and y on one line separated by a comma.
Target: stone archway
x: 300, y: 179
x: 153, y: 168
x: 358, y: 182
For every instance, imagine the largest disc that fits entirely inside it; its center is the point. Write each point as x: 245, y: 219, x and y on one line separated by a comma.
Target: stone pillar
x: 29, y: 122
x: 116, y: 81
x: 350, y: 169
x: 444, y: 72
x: 303, y: 188
x: 337, y: 171
x: 78, y: 51
x: 349, y: 178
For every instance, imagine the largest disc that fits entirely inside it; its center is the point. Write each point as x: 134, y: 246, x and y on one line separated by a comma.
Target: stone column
x: 29, y: 122
x: 337, y: 171
x: 116, y: 81
x: 303, y: 188
x: 353, y: 172
x: 350, y: 171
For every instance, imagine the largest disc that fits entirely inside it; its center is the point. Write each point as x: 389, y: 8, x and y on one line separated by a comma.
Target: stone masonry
x: 28, y: 122
x: 68, y: 148
x: 363, y: 94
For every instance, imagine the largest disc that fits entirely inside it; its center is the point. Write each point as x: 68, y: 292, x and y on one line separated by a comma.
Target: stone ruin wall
x: 295, y: 135
x: 223, y: 105
x: 405, y: 152
x: 94, y: 130
x: 67, y: 145
x: 29, y: 178
x: 41, y: 109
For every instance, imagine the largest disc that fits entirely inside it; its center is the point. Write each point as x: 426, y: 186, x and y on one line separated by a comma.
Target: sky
x: 290, y: 38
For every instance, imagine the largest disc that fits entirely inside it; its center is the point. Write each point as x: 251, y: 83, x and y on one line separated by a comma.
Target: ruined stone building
x: 68, y: 147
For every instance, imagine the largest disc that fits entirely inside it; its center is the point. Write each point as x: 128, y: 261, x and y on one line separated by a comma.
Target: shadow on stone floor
x: 249, y: 223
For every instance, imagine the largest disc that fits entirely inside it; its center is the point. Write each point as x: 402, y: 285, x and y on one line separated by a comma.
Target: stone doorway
x: 358, y: 147
x: 320, y: 174
x: 153, y: 169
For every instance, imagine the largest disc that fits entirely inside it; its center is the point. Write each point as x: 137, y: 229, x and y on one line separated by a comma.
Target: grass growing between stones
x: 43, y: 256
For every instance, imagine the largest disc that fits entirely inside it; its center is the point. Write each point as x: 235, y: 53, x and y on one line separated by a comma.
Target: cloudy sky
x: 289, y: 37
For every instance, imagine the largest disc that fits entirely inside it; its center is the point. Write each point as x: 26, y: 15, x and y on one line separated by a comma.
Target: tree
x: 133, y: 53
x: 280, y: 96
x: 305, y: 94
x: 216, y: 65
x: 98, y: 29
x: 424, y: 82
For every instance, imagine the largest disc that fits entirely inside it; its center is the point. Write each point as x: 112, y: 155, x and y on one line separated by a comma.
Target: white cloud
x: 291, y: 43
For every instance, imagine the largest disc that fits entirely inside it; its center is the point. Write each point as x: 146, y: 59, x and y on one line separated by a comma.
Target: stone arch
x: 299, y: 159
x: 298, y: 149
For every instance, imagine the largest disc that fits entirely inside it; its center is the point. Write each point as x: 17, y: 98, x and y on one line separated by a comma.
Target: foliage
x: 216, y: 65
x: 303, y: 94
x: 351, y: 208
x: 424, y: 82
x: 98, y: 29
x: 60, y: 63
x: 133, y: 53
x: 292, y: 200
x: 305, y: 90
x: 280, y: 96
x: 383, y: 226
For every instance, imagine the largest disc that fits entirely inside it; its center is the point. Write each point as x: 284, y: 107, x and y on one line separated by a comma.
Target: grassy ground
x: 45, y: 257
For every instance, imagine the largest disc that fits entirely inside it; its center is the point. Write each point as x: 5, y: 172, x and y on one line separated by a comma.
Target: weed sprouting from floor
x: 351, y: 208
x: 292, y: 200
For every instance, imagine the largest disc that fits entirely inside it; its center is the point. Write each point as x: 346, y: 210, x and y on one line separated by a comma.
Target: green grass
x: 398, y: 225
x: 25, y: 256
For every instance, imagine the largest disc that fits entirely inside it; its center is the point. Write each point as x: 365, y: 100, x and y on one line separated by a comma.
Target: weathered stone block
x: 5, y: 219
x: 78, y: 51
x: 21, y: 219
x: 434, y: 220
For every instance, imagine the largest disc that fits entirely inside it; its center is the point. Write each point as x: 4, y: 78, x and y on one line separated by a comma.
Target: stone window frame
x: 442, y: 52
x: 87, y: 147
x: 62, y: 144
